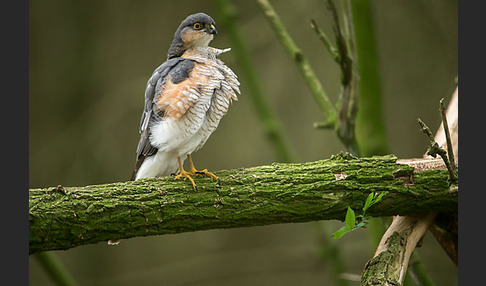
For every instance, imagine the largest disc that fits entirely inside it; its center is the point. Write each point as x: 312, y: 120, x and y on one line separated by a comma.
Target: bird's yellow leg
x: 193, y: 170
x: 185, y: 174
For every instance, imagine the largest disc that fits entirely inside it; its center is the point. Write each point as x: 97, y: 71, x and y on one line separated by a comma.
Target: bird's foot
x: 193, y: 171
x: 184, y: 174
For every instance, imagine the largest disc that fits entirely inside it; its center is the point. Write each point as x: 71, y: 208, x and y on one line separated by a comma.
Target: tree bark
x: 64, y: 217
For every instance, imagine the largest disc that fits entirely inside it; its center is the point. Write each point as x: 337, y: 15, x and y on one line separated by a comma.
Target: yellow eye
x: 197, y: 26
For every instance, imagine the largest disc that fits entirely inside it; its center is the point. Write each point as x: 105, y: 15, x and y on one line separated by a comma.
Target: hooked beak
x: 212, y: 30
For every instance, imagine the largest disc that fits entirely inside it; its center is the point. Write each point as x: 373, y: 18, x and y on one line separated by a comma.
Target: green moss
x: 384, y: 268
x: 278, y: 193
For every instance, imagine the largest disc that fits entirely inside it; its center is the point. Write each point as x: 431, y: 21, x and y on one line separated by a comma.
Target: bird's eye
x: 197, y: 26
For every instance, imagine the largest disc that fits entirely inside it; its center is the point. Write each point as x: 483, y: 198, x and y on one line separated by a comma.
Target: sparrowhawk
x: 185, y: 99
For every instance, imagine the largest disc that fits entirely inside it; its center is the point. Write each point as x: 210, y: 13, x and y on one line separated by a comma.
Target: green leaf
x: 340, y: 232
x: 369, y: 199
x: 350, y: 218
x: 373, y: 201
x: 379, y: 198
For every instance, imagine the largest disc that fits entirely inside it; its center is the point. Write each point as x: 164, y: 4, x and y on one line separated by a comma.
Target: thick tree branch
x: 389, y: 265
x: 66, y: 217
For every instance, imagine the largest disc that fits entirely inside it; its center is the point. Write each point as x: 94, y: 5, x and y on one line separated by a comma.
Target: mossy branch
x: 64, y: 217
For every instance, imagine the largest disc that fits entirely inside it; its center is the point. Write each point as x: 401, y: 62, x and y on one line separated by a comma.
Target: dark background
x: 88, y: 65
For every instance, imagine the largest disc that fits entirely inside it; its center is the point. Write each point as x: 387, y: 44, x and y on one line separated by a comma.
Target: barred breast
x: 220, y: 100
x: 195, y: 107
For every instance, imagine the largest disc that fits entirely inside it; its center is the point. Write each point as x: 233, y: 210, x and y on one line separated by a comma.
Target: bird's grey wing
x: 152, y: 91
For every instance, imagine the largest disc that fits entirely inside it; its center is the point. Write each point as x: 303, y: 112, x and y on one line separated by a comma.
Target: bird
x: 185, y: 99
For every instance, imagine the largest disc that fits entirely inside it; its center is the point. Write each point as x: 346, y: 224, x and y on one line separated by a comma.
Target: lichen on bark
x: 66, y: 217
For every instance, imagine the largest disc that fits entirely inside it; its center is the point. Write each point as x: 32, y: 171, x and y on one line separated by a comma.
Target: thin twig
x: 323, y: 37
x: 349, y: 27
x: 426, y: 130
x: 434, y: 150
x: 348, y: 96
x: 313, y: 83
x: 352, y: 55
x: 342, y: 47
x: 323, y: 125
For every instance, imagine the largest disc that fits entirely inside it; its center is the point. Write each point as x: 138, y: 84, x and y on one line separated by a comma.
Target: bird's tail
x: 158, y: 165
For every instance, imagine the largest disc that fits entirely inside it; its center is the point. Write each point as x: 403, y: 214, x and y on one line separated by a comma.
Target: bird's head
x: 195, y: 31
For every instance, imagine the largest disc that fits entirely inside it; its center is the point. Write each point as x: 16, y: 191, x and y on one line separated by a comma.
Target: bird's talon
x: 187, y: 175
x: 207, y: 173
x: 194, y: 172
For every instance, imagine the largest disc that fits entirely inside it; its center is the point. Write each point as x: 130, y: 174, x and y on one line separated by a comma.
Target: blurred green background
x: 89, y: 62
